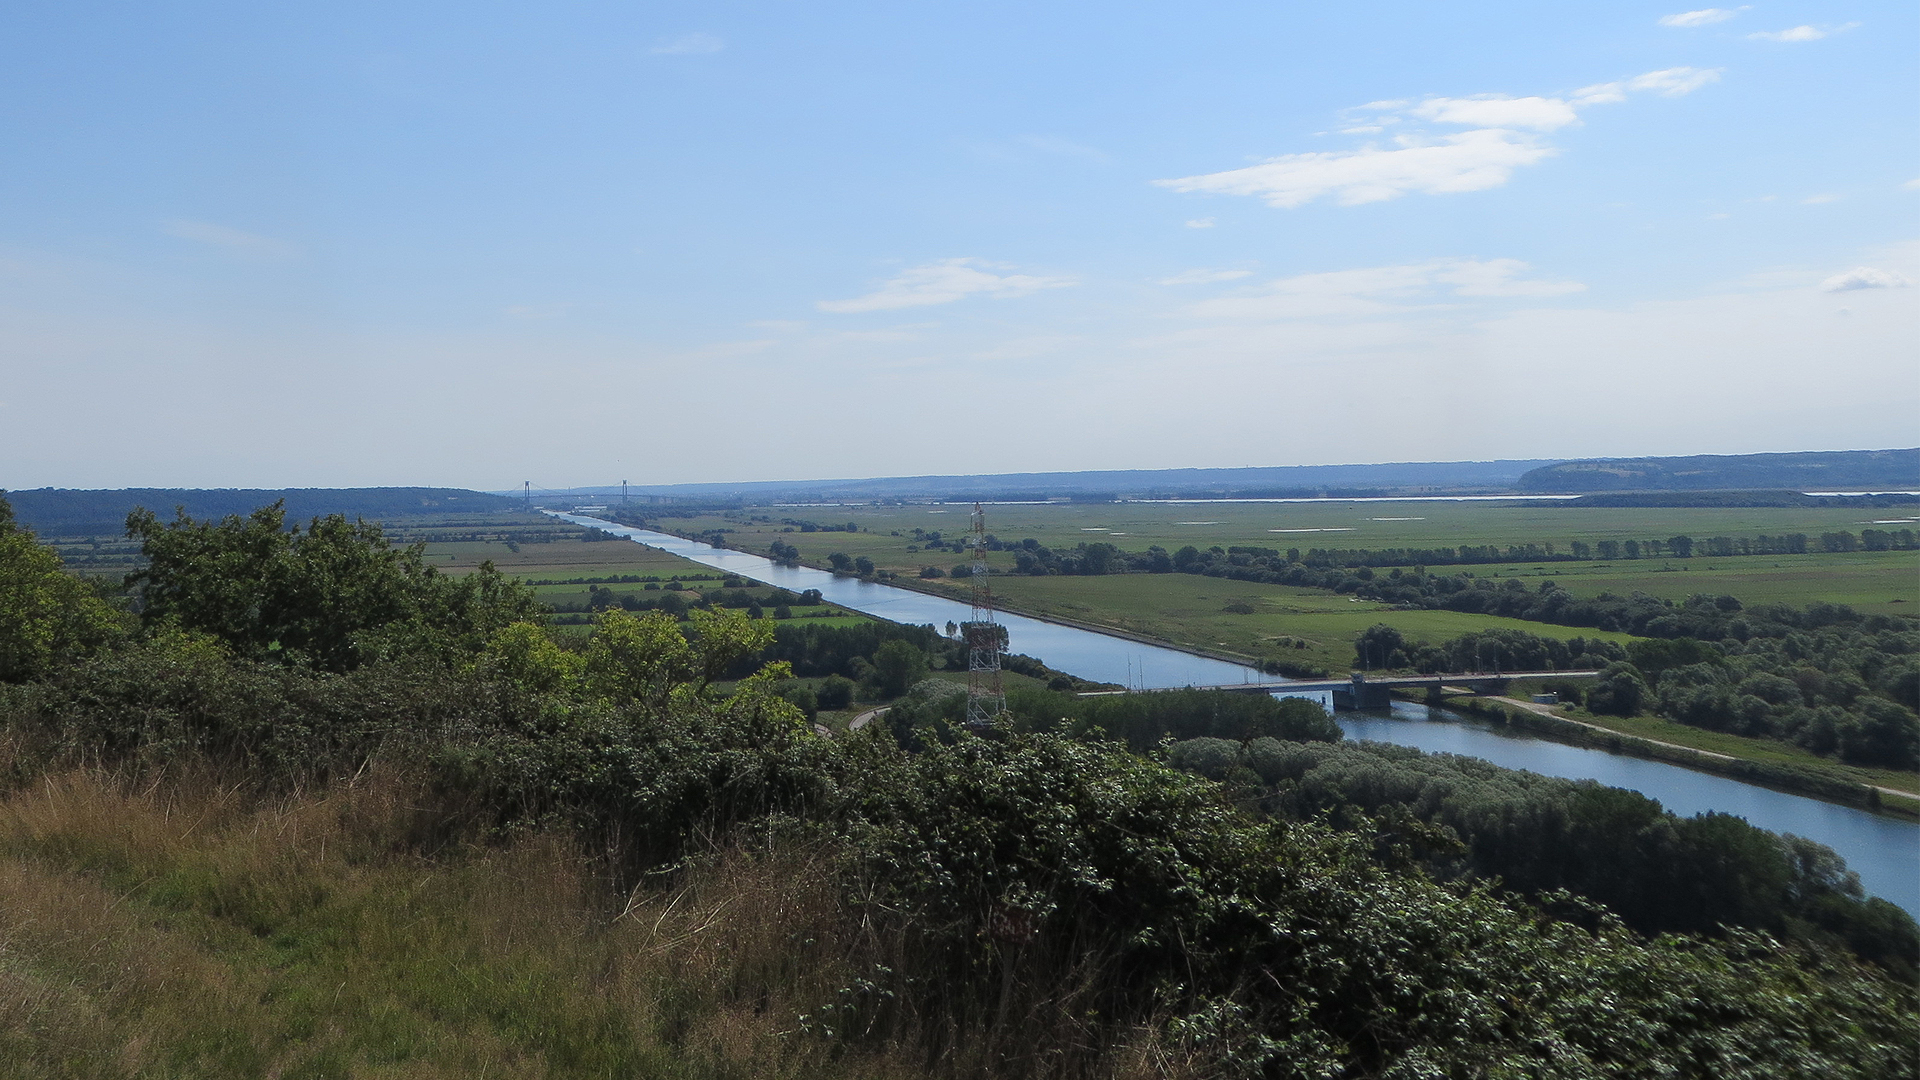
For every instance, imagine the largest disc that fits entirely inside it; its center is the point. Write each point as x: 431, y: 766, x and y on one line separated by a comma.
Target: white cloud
x: 1507, y: 133
x: 1703, y: 17
x: 1498, y: 111
x: 1913, y: 184
x: 1207, y: 222
x: 230, y: 240
x: 690, y: 45
x: 1468, y: 161
x: 1670, y: 82
x: 1205, y: 277
x: 1865, y: 277
x: 1384, y: 290
x: 1801, y: 33
x: 942, y: 282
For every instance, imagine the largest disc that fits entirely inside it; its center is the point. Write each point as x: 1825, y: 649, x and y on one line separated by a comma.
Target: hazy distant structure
x: 528, y: 486
x: 985, y: 698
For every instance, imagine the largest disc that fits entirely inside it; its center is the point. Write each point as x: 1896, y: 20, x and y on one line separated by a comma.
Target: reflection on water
x: 1884, y: 851
x: 1089, y: 655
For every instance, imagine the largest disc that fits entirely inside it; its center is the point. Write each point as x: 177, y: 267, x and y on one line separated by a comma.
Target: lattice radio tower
x: 985, y: 698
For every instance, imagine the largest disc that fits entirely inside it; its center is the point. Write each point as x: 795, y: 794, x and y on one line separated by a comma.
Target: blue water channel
x: 1884, y: 851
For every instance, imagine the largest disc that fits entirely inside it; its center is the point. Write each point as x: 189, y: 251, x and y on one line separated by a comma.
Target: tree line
x: 1035, y: 558
x: 1838, y: 686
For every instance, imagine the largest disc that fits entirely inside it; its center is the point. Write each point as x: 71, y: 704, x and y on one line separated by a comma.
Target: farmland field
x: 564, y: 559
x: 1373, y: 524
x: 1872, y: 581
x: 1317, y: 628
x: 1300, y: 626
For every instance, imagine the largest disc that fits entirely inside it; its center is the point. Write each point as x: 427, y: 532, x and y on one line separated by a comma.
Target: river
x: 1884, y: 851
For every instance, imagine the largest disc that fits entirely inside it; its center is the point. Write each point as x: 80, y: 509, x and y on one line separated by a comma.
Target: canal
x: 1884, y: 851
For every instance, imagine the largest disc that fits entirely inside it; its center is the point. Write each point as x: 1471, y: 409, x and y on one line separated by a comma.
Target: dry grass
x: 183, y: 928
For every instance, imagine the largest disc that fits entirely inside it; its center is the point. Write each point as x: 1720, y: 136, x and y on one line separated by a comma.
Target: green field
x: 1298, y: 626
x: 1882, y: 581
x: 1385, y: 524
x: 1861, y: 578
x: 565, y: 559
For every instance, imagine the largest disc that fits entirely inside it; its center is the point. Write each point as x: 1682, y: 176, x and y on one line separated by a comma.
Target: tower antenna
x: 985, y: 638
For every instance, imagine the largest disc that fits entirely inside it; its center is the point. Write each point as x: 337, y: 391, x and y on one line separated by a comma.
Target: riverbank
x: 1789, y: 778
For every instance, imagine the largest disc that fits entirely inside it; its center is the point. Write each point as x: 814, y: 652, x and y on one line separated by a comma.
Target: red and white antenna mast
x: 985, y: 638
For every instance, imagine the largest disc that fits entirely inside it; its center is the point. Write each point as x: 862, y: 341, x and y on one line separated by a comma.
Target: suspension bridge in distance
x: 1357, y: 691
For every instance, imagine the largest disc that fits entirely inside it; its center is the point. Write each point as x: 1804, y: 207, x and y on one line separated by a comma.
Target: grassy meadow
x: 565, y: 559
x: 192, y: 930
x: 1384, y: 524
x: 1887, y: 582
x: 1299, y: 626
x: 1314, y: 627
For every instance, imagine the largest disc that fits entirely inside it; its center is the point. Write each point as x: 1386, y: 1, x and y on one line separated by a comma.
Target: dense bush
x: 1538, y: 834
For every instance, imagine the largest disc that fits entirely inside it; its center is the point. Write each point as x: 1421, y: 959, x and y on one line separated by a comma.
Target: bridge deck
x: 1398, y: 682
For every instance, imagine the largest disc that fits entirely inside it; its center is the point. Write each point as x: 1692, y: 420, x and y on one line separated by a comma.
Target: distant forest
x: 1773, y: 479
x: 74, y: 512
x: 1838, y: 470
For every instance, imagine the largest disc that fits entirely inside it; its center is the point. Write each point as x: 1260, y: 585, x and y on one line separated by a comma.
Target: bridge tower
x: 985, y: 638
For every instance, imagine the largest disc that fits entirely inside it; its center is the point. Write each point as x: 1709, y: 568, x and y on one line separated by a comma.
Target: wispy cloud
x: 1505, y: 133
x: 1382, y: 290
x: 1205, y: 277
x: 1468, y: 161
x: 690, y: 45
x: 1494, y: 111
x: 1865, y: 277
x: 943, y: 282
x: 1802, y: 33
x: 1667, y: 82
x: 1207, y: 222
x: 230, y: 240
x: 1703, y: 17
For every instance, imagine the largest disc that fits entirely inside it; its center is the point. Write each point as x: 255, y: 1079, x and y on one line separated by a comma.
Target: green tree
x: 46, y: 614
x: 1380, y: 646
x: 898, y: 665
x: 332, y: 596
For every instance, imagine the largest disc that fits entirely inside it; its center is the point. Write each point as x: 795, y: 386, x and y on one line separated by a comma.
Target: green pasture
x: 1136, y: 526
x: 564, y: 559
x: 1876, y: 581
x: 1300, y: 626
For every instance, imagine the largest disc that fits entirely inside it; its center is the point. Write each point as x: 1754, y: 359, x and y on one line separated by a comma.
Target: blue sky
x: 476, y: 244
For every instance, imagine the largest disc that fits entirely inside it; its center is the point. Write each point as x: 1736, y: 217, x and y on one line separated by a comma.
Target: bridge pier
x: 1361, y: 694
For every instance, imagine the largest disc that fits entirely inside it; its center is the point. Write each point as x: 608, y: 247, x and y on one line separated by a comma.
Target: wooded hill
x: 1841, y: 470
x: 89, y: 512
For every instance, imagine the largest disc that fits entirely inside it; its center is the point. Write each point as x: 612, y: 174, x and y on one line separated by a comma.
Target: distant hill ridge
x: 88, y: 512
x: 1253, y: 481
x: 1840, y: 470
